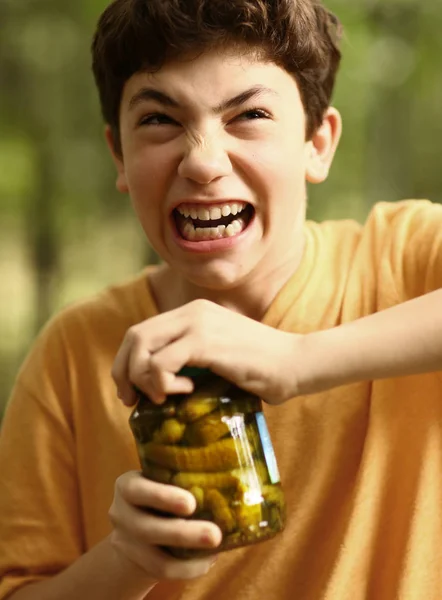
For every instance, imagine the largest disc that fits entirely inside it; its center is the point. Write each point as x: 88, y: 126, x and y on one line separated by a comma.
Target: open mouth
x: 201, y: 222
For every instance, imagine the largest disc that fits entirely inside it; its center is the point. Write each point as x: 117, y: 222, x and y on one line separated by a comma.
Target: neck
x: 251, y: 297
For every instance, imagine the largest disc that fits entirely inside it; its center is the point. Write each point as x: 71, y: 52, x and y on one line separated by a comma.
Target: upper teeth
x: 211, y: 213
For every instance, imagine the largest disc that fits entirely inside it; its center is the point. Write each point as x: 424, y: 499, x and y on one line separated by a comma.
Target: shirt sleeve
x: 40, y: 513
x: 406, y: 238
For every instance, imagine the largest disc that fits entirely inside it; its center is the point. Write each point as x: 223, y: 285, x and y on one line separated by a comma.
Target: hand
x: 138, y: 533
x: 255, y: 357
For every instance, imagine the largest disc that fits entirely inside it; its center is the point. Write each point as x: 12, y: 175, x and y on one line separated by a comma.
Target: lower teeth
x: 191, y: 233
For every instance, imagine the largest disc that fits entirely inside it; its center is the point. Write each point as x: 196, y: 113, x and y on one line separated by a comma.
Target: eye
x: 157, y: 119
x: 252, y: 115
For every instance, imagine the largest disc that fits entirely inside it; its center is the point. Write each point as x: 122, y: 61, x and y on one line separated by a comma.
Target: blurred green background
x: 65, y: 232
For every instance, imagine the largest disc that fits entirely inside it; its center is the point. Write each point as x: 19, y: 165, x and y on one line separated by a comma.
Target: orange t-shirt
x: 361, y: 465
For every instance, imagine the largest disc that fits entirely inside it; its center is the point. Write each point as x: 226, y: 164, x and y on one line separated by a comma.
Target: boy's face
x: 215, y: 161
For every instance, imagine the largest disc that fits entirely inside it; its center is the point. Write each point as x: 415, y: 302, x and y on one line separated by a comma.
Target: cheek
x: 280, y: 179
x: 147, y: 176
x: 145, y: 195
x: 280, y: 169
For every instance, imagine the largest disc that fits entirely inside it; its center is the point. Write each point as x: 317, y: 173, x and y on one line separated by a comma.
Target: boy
x: 217, y: 115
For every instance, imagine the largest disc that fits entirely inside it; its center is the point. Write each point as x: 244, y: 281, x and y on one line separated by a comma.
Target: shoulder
x: 396, y: 254
x: 406, y: 229
x: 406, y: 212
x: 334, y: 241
x: 117, y: 306
x: 90, y: 330
x: 390, y: 226
x: 403, y: 241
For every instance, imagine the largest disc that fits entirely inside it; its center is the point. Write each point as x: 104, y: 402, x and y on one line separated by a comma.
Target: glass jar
x: 215, y: 443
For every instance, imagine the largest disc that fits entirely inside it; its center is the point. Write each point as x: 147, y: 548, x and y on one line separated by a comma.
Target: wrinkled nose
x: 205, y: 161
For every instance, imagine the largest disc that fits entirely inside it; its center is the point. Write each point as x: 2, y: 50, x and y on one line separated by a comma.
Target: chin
x: 216, y: 277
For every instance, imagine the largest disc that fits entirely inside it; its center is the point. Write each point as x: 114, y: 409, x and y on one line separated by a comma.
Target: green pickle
x: 214, y: 443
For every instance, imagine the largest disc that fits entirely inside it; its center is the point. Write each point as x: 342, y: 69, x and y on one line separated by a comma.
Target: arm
x: 127, y: 564
x: 276, y: 365
x: 99, y: 574
x: 400, y: 341
x: 42, y: 536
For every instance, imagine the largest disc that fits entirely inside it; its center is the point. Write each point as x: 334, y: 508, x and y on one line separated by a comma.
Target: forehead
x: 214, y: 76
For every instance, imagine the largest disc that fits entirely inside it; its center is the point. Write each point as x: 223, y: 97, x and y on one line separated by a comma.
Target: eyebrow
x: 147, y: 93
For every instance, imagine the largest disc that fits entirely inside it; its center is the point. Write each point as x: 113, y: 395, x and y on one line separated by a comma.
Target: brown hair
x: 299, y: 35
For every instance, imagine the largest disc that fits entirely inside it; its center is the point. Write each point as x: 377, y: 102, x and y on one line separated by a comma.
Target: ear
x: 322, y: 147
x: 121, y: 183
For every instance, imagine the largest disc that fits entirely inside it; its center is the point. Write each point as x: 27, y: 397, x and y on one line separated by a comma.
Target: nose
x: 205, y: 160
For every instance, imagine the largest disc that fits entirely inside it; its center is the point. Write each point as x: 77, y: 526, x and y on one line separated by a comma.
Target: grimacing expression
x: 215, y: 160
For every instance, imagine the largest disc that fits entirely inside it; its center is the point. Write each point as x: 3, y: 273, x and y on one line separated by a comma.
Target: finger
x: 120, y: 373
x: 177, y: 385
x: 166, y: 362
x: 172, y: 568
x: 144, y: 372
x: 142, y: 492
x: 162, y: 566
x: 148, y: 528
x: 158, y: 331
x: 132, y: 491
x: 148, y: 389
x: 170, y: 531
x: 131, y: 364
x: 163, y: 384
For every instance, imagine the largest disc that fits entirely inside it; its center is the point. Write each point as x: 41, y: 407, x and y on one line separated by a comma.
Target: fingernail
x: 207, y: 538
x: 121, y: 397
x: 158, y: 399
x: 126, y: 401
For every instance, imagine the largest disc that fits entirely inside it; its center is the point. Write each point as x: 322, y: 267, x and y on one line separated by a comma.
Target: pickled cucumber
x: 207, y: 430
x: 248, y: 517
x: 220, y: 456
x: 156, y: 473
x: 202, y: 402
x: 205, y: 480
x: 170, y: 432
x: 222, y: 514
x: 199, y: 496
